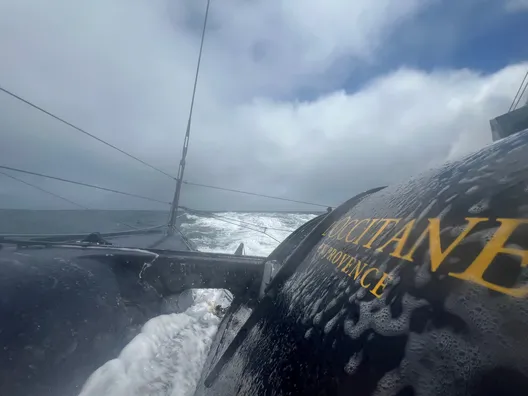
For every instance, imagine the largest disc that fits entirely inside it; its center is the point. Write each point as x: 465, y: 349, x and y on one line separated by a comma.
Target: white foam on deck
x: 165, y: 359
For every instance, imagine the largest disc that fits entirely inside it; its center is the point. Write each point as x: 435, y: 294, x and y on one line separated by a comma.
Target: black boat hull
x: 66, y: 310
x: 62, y: 316
x: 417, y: 289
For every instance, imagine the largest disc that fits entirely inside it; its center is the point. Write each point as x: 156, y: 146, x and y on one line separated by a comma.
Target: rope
x: 518, y: 97
x: 254, y: 194
x: 58, y: 196
x: 208, y: 214
x: 83, y: 184
x: 243, y: 226
x: 85, y: 132
x: 204, y: 213
x: 258, y: 225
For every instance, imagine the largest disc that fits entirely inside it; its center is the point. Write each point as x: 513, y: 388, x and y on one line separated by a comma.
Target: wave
x: 167, y: 357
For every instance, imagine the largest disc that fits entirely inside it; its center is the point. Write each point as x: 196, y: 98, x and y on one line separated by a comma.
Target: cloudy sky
x: 314, y: 100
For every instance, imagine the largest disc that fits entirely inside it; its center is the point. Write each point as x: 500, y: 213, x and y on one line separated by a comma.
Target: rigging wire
x: 83, y: 184
x: 58, y: 196
x: 522, y: 93
x: 153, y: 167
x: 257, y: 225
x: 148, y: 198
x: 221, y: 218
x: 85, y: 132
x: 254, y: 194
x: 518, y: 97
x: 244, y: 226
x: 43, y: 190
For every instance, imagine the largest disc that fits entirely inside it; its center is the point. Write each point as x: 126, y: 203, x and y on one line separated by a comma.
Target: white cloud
x: 516, y: 5
x: 398, y: 125
x: 285, y: 44
x: 124, y: 71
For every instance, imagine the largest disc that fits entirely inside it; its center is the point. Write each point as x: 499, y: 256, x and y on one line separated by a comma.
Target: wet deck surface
x: 151, y: 241
x: 142, y: 239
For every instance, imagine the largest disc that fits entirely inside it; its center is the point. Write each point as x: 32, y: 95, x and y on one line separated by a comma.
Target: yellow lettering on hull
x: 383, y: 235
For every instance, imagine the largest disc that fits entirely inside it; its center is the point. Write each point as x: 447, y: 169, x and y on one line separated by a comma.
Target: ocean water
x: 215, y: 232
x: 167, y: 357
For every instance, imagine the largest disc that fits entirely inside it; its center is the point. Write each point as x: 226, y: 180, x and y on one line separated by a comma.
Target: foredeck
x: 158, y: 240
x: 150, y: 238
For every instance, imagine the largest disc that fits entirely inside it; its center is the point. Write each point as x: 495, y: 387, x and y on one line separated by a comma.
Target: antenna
x: 181, y: 169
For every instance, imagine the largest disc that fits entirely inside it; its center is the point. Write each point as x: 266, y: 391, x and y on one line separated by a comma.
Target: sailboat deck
x: 152, y: 241
x: 153, y: 238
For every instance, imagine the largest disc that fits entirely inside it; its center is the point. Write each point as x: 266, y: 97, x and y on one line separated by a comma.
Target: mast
x: 181, y: 168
